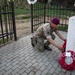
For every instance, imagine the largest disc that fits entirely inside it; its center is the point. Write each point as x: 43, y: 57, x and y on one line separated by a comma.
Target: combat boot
x: 48, y: 48
x: 32, y: 42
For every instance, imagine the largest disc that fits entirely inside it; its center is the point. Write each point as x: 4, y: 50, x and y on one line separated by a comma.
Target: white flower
x: 32, y: 1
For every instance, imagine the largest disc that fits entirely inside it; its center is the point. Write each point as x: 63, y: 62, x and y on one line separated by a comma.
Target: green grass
x: 63, y: 27
x: 59, y: 13
x: 1, y: 41
x: 26, y: 17
x: 19, y: 11
x: 50, y: 11
x: 5, y: 41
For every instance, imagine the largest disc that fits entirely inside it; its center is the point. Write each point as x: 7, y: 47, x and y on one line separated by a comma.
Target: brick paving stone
x: 20, y: 67
x: 8, y: 64
x: 2, y: 68
x: 3, y: 64
x: 52, y: 70
x: 47, y: 63
x: 43, y: 68
x: 32, y: 58
x: 22, y: 62
x: 2, y: 72
x: 56, y: 65
x: 20, y: 58
x: 38, y: 72
x: 44, y: 72
x: 53, y: 62
x: 49, y: 74
x: 63, y: 70
x: 38, y: 67
x: 28, y: 65
x: 24, y: 73
x: 15, y: 63
x: 35, y: 64
x: 49, y: 66
x: 37, y: 55
x: 45, y: 59
x: 28, y: 61
x: 16, y: 74
x: 15, y: 71
x: 8, y: 68
x: 33, y: 61
x: 68, y: 73
x: 34, y: 69
x: 31, y: 73
x: 29, y: 70
x: 39, y: 60
x: 41, y: 64
x: 73, y: 72
x: 58, y: 70
x: 61, y: 73
x: 55, y: 74
x: 28, y: 57
x: 8, y: 72
x: 15, y: 67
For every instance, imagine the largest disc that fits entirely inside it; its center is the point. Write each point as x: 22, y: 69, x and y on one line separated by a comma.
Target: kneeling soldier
x: 45, y: 31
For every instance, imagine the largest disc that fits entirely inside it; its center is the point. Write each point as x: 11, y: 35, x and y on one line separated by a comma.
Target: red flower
x: 64, y: 64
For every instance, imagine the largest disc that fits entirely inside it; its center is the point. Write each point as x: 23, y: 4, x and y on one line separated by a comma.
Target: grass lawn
x: 5, y: 40
x: 19, y: 11
x: 63, y: 28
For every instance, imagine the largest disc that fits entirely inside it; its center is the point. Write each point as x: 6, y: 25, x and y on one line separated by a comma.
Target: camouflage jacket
x: 45, y: 31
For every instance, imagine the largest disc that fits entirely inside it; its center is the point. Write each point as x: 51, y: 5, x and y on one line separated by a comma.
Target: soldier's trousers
x: 38, y: 42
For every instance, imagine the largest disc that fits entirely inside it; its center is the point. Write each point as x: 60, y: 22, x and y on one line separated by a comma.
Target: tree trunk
x: 27, y: 5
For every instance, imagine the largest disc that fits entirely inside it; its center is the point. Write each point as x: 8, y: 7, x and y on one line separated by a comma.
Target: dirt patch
x: 23, y: 27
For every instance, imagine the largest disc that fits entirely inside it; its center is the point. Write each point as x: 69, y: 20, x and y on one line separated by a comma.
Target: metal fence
x: 42, y: 12
x: 7, y: 22
x: 37, y: 15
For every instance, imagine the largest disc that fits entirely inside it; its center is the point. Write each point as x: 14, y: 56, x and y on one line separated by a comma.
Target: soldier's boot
x: 47, y: 43
x: 32, y: 42
x: 48, y: 48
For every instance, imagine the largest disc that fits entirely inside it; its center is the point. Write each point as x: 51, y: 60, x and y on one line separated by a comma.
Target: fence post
x: 44, y: 12
x: 13, y: 19
x: 31, y: 18
x: 1, y: 24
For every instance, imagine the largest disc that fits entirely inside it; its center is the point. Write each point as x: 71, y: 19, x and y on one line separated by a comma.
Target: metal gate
x: 7, y: 21
x: 42, y: 12
x: 37, y: 15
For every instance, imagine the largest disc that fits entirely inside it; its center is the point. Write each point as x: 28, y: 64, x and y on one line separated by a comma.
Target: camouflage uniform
x: 43, y: 32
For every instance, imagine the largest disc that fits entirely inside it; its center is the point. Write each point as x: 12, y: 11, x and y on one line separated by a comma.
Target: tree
x: 69, y: 3
x: 21, y: 3
x: 43, y: 1
x: 65, y: 3
x: 0, y: 3
x: 27, y: 5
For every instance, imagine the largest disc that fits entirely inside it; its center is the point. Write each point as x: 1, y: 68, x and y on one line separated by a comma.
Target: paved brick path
x: 20, y: 58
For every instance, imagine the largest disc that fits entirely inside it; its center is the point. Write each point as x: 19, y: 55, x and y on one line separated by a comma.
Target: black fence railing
x: 7, y: 22
x: 43, y: 12
x: 37, y: 15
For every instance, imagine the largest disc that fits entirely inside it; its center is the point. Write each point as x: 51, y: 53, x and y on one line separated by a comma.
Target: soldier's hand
x: 60, y: 48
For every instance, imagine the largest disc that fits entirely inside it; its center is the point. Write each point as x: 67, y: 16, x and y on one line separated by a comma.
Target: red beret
x: 55, y: 20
